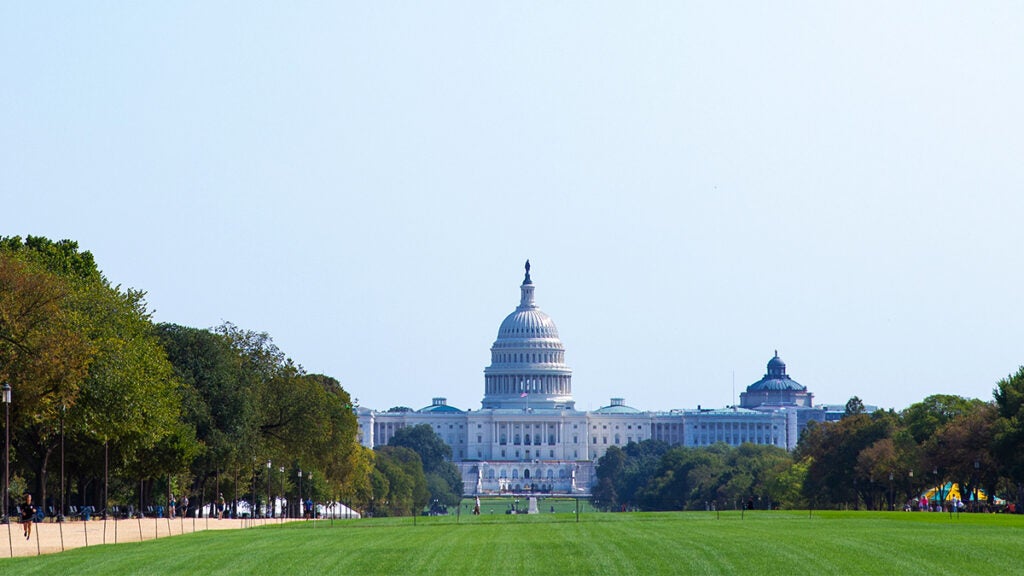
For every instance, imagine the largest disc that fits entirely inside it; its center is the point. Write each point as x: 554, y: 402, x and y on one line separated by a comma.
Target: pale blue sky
x: 695, y: 184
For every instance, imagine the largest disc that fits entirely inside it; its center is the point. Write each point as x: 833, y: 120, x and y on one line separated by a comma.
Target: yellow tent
x: 951, y: 490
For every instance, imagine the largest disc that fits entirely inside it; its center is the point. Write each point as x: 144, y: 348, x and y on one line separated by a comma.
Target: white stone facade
x: 528, y: 436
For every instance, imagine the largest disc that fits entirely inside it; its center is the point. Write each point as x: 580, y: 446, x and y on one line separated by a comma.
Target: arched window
x: 515, y: 474
x: 551, y: 474
x: 526, y: 474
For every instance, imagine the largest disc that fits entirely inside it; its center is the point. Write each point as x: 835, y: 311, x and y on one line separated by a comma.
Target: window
x: 479, y: 439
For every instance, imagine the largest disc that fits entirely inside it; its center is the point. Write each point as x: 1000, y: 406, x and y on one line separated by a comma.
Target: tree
x: 609, y: 472
x: 126, y: 372
x: 43, y: 356
x: 443, y: 476
x: 402, y: 471
x: 961, y: 449
x: 854, y: 406
x: 924, y: 418
x: 832, y: 450
x: 218, y: 399
x: 1008, y: 429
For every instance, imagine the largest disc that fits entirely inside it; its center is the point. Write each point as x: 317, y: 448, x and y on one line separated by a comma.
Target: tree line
x: 110, y: 408
x: 883, y: 460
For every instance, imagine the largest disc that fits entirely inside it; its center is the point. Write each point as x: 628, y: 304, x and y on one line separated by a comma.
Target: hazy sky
x: 696, y: 184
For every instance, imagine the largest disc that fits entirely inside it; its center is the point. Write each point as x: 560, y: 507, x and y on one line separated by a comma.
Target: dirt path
x: 50, y: 537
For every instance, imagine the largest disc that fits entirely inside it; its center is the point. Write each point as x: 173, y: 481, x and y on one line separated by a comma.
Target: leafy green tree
x: 924, y: 418
x: 1008, y: 430
x: 961, y: 449
x: 610, y: 469
x: 854, y: 406
x: 219, y: 399
x: 406, y: 483
x: 832, y: 450
x: 127, y: 373
x: 443, y: 477
x: 787, y: 485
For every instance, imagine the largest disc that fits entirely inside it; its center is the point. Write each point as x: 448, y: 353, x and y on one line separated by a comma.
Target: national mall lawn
x: 756, y: 542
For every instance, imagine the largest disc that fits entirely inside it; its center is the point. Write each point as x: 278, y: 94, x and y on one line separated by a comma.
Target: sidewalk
x: 47, y: 536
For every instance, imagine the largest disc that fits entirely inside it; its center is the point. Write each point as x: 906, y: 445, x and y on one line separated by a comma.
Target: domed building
x: 776, y: 389
x: 777, y: 392
x: 528, y: 360
x: 528, y: 436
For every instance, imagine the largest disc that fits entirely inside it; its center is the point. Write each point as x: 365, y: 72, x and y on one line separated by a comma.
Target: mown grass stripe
x: 663, y: 543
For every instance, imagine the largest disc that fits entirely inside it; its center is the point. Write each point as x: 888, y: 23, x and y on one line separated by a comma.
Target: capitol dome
x: 528, y: 368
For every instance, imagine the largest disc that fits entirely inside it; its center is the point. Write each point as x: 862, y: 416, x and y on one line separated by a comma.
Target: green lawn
x: 761, y: 542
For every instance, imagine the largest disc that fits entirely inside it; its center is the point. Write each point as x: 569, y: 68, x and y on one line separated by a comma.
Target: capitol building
x: 528, y: 436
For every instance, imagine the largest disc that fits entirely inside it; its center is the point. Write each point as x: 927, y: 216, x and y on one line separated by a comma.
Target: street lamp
x: 300, y: 494
x: 892, y: 497
x: 7, y: 447
x: 312, y: 510
x: 284, y: 511
x: 913, y: 493
x: 267, y: 508
x: 977, y: 479
x: 63, y: 413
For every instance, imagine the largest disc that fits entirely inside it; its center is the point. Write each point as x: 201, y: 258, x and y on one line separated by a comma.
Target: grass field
x: 761, y: 542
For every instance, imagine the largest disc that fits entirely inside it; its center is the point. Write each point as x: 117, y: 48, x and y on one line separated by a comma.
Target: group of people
x: 177, y: 508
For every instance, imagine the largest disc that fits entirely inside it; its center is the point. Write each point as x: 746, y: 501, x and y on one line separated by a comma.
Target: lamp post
x: 312, y: 509
x: 7, y: 447
x: 912, y: 491
x: 266, y: 509
x: 892, y: 497
x: 284, y: 510
x: 63, y: 412
x: 300, y: 494
x: 977, y: 479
